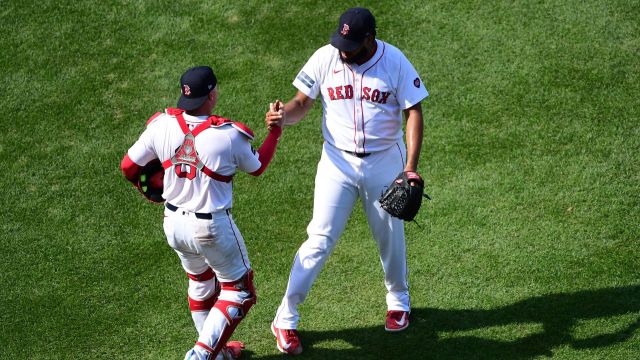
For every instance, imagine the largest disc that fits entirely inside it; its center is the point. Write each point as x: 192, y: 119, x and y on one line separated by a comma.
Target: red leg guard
x: 233, y: 311
x: 204, y: 304
x: 207, y: 275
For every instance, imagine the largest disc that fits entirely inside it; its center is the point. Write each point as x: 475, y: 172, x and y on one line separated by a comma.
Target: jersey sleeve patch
x: 305, y: 79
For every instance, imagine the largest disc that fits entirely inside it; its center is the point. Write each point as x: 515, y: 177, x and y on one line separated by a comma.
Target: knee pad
x: 203, y: 291
x: 237, y: 297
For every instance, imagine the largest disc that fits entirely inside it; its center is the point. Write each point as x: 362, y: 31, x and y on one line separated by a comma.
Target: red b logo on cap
x: 187, y: 90
x: 345, y: 30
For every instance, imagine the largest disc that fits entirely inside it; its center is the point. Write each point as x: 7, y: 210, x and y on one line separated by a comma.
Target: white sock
x: 198, y: 319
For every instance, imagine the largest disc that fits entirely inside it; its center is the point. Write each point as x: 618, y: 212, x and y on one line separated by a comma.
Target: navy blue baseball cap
x: 354, y: 26
x: 196, y: 84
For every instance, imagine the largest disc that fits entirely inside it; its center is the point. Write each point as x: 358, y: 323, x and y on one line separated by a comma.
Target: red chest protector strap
x: 186, y: 153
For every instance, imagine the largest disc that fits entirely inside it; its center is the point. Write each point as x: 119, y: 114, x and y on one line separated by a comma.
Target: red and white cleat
x: 397, y: 320
x: 232, y: 350
x: 288, y: 341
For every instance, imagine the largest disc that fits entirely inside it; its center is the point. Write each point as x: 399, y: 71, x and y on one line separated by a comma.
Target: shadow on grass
x: 533, y: 327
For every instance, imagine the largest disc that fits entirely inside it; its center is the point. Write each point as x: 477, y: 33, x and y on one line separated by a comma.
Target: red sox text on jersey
x: 363, y: 104
x: 345, y: 92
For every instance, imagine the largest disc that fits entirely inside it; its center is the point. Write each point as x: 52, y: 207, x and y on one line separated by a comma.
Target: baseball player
x: 200, y: 154
x: 365, y: 86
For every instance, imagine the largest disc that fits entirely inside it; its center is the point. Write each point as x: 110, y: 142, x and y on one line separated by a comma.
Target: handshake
x: 275, y: 116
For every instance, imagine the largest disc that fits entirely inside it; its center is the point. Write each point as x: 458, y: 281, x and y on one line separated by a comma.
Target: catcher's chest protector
x: 186, y: 160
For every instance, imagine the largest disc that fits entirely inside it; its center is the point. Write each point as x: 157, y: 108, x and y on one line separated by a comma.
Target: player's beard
x: 359, y: 57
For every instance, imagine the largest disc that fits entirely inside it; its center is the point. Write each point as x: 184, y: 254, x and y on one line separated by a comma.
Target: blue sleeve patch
x: 305, y: 79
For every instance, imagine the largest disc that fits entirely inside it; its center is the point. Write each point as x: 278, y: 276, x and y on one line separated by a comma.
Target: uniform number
x: 185, y: 171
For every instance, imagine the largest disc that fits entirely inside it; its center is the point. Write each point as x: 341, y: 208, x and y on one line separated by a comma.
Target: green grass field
x: 529, y: 249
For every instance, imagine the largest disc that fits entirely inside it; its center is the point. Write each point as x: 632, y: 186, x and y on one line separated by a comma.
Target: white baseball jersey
x: 222, y: 149
x: 362, y: 104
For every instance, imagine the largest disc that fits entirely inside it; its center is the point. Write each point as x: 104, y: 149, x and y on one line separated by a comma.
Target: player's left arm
x: 414, y: 134
x: 410, y: 93
x: 130, y: 169
x: 139, y: 154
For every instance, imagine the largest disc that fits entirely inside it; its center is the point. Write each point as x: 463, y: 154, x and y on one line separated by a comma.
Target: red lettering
x: 348, y: 91
x: 180, y: 171
x: 332, y: 95
x: 339, y: 93
x: 375, y: 95
x: 365, y: 93
x: 385, y: 96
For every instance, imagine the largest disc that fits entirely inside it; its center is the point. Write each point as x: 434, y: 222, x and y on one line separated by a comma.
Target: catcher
x: 191, y: 158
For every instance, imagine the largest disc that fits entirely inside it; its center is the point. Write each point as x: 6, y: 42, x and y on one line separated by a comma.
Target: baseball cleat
x: 232, y: 350
x: 397, y: 320
x: 287, y: 340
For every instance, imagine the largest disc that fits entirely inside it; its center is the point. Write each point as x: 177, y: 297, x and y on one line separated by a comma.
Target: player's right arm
x: 296, y: 108
x: 307, y: 82
x: 291, y: 112
x: 256, y: 162
x: 267, y: 149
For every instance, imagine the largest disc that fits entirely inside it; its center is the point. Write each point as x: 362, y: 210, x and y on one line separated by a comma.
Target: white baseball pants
x: 342, y: 178
x: 204, y: 243
x: 209, y: 243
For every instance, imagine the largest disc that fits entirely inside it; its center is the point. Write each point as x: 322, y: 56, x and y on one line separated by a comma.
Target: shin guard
x: 234, y: 302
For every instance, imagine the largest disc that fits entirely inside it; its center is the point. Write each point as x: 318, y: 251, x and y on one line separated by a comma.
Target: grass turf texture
x: 528, y: 249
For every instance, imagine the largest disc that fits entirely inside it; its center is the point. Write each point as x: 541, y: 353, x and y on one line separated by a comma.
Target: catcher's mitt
x: 150, y: 182
x: 403, y: 200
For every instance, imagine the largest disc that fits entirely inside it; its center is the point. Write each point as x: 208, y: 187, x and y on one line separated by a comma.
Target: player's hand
x: 275, y: 116
x: 413, y: 177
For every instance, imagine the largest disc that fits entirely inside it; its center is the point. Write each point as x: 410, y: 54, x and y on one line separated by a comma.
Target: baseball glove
x: 150, y: 182
x: 403, y: 200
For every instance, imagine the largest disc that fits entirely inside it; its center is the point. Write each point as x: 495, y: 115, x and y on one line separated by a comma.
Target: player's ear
x: 370, y: 39
x: 213, y: 97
